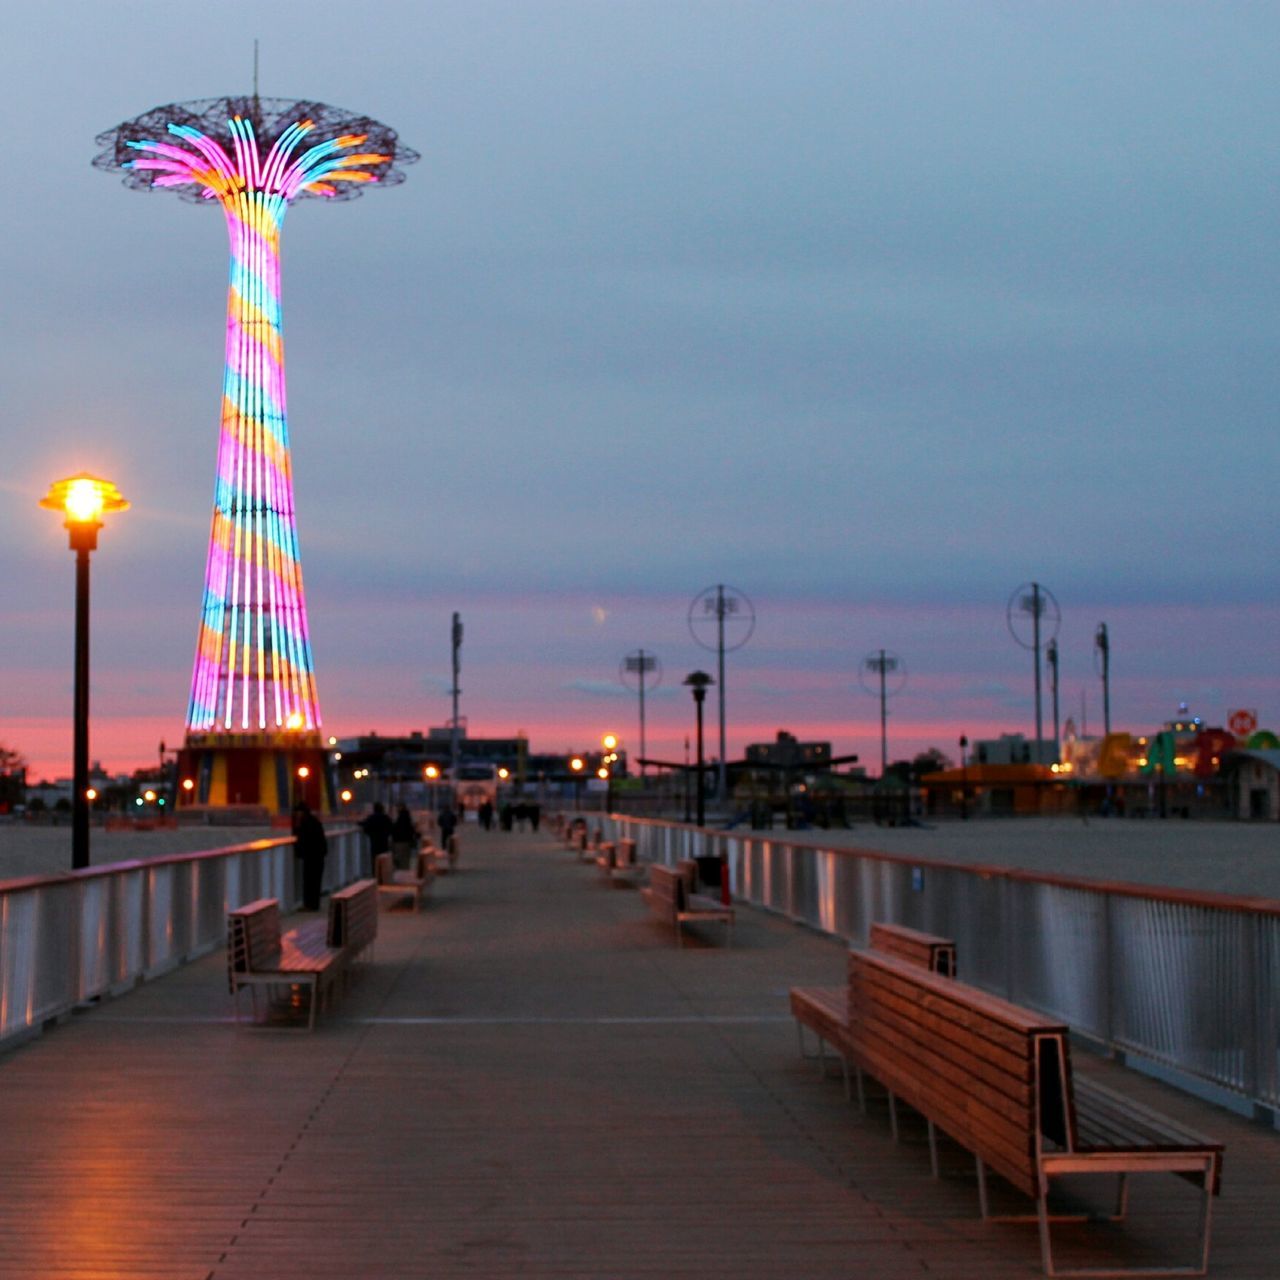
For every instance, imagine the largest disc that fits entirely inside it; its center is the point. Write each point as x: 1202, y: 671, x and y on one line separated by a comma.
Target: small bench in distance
x: 670, y: 897
x: 310, y: 955
x: 413, y: 884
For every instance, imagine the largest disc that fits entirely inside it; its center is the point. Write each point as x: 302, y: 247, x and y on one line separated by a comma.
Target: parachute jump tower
x: 253, y: 720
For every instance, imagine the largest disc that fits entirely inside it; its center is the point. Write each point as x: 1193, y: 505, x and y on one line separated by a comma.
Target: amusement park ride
x: 253, y: 719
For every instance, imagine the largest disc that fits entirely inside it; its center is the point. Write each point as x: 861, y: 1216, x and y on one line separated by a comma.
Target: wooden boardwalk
x: 530, y: 1080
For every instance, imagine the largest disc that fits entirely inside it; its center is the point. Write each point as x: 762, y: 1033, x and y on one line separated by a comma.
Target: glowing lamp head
x: 303, y: 771
x: 504, y: 774
x: 576, y: 764
x: 602, y: 772
x: 346, y: 797
x: 609, y: 741
x: 188, y: 784
x: 294, y: 721
x: 83, y: 500
x: 149, y: 797
x: 431, y: 772
x: 91, y: 794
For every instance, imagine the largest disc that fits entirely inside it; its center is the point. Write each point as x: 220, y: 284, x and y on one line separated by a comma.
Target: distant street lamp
x: 964, y: 778
x: 698, y: 681
x: 577, y: 764
x: 84, y: 500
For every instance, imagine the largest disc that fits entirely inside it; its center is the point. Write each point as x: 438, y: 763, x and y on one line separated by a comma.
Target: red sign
x: 1242, y: 723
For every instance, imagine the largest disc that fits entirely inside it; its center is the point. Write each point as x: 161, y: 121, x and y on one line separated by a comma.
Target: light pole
x: 642, y: 666
x: 723, y: 604
x: 609, y: 761
x: 884, y: 664
x: 455, y: 639
x: 84, y: 500
x: 698, y: 682
x: 577, y: 764
x: 964, y: 778
x: 1051, y: 657
x: 1102, y: 653
x: 1041, y: 607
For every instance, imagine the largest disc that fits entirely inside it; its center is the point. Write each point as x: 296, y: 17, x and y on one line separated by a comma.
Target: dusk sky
x: 873, y: 311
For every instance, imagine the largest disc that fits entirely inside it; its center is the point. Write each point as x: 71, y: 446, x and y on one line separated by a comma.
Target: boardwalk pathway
x: 531, y: 1080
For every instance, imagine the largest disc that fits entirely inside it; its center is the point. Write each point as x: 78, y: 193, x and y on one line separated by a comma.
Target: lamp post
x: 577, y: 764
x: 964, y: 778
x: 84, y: 500
x: 609, y: 761
x: 698, y: 682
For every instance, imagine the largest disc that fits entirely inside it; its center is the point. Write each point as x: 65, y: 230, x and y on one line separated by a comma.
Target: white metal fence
x: 1190, y: 981
x: 67, y: 939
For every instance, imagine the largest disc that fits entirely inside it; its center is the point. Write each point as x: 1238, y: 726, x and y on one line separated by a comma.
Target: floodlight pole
x: 721, y: 772
x: 454, y: 745
x: 1035, y: 645
x: 1103, y: 644
x: 1051, y: 657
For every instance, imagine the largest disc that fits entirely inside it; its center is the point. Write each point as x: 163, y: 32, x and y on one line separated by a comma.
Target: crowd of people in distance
x: 524, y: 815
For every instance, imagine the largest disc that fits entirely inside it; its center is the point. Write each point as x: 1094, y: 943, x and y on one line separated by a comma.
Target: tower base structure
x: 238, y: 771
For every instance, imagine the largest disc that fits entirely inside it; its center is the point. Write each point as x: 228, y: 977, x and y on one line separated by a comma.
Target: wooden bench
x: 825, y: 1010
x: 927, y: 950
x: 671, y: 897
x: 259, y: 955
x: 997, y: 1079
x: 412, y: 884
x: 353, y: 919
x: 626, y: 870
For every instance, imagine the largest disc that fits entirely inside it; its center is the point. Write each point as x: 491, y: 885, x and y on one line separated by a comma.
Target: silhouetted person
x: 311, y: 847
x: 447, y: 821
x: 404, y: 836
x: 378, y: 827
x: 535, y: 815
x: 485, y: 814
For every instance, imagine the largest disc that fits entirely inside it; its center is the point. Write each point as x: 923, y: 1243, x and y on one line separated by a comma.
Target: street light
x: 84, y: 500
x: 577, y: 764
x: 698, y: 681
x: 964, y: 778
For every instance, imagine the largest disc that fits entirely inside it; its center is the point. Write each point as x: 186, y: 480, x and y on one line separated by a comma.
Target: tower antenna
x: 255, y: 69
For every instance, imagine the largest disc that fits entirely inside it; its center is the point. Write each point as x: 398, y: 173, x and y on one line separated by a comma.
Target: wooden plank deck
x: 529, y: 1080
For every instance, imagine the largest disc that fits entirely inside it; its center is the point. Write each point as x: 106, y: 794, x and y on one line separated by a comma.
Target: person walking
x: 378, y: 827
x: 447, y: 821
x: 310, y: 847
x: 404, y: 838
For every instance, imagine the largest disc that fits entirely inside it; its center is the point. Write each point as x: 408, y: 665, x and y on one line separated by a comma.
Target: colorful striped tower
x: 253, y: 719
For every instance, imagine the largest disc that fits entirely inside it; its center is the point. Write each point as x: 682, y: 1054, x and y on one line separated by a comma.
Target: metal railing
x: 1186, y: 980
x: 68, y: 939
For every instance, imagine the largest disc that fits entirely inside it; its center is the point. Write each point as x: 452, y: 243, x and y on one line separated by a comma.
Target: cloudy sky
x: 872, y: 311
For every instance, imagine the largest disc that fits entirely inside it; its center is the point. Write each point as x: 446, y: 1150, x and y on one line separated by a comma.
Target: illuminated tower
x: 253, y: 720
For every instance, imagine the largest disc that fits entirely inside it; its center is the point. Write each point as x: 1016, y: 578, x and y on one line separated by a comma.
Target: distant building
x: 786, y: 752
x: 1013, y: 748
x: 1254, y: 780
